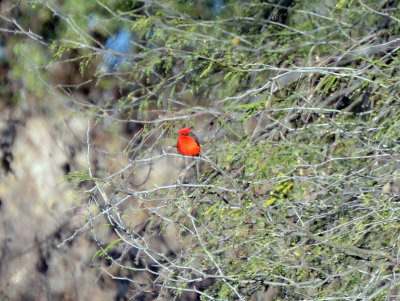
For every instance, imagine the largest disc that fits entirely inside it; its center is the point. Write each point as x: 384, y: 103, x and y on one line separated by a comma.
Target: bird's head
x: 184, y: 131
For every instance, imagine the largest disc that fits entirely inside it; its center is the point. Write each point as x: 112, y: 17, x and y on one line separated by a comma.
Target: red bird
x: 188, y: 144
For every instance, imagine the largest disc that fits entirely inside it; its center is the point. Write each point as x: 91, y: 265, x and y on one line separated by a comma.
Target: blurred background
x: 295, y: 195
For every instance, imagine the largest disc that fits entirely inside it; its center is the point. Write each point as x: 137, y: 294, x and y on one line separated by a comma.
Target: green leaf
x: 101, y: 253
x: 269, y: 202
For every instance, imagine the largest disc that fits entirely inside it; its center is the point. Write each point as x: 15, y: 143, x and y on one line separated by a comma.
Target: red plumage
x: 188, y: 144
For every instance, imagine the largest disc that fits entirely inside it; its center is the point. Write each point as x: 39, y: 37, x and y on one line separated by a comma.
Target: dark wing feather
x: 194, y: 137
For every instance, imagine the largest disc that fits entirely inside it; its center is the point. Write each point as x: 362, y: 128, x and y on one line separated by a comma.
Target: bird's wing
x: 194, y: 137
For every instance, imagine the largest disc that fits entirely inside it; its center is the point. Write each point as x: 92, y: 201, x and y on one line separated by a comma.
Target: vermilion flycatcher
x: 188, y: 144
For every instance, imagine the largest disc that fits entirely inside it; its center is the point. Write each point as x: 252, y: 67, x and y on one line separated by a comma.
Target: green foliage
x: 279, y: 194
x: 79, y: 176
x: 31, y: 61
x: 103, y: 252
